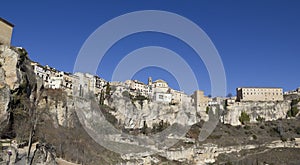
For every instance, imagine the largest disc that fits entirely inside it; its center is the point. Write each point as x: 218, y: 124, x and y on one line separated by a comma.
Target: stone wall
x: 5, y: 32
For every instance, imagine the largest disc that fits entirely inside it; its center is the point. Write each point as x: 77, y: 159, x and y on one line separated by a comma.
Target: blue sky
x: 258, y: 41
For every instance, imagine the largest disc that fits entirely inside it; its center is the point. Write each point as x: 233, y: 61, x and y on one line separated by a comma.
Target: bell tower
x: 150, y: 81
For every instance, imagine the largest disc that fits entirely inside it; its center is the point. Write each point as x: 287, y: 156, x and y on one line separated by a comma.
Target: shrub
x: 295, y: 102
x: 0, y: 64
x: 260, y: 119
x: 158, y: 127
x: 228, y: 163
x: 207, y: 110
x: 254, y: 137
x: 284, y: 139
x: 244, y: 118
x: 247, y: 127
x: 297, y: 130
x: 126, y: 94
x: 293, y: 112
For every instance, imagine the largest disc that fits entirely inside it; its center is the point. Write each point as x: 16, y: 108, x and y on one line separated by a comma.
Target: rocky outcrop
x: 267, y: 110
x: 135, y: 114
x: 59, y: 106
x: 9, y: 60
x: 208, y: 153
x: 44, y: 154
x: 9, y: 79
x: 4, y: 101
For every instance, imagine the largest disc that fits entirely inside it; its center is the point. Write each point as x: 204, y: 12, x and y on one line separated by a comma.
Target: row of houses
x: 158, y: 90
x: 296, y: 91
x: 85, y: 83
x: 55, y: 79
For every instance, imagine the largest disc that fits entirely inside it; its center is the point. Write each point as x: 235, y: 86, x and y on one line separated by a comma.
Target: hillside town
x: 237, y: 114
x: 157, y: 91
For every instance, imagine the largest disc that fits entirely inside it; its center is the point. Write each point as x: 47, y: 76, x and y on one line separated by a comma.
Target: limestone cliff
x: 9, y: 78
x: 266, y: 110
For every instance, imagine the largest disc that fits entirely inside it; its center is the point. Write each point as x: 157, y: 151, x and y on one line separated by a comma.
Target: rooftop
x: 160, y: 81
x: 262, y: 87
x: 5, y: 21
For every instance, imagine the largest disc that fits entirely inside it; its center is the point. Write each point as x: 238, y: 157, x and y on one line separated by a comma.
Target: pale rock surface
x: 267, y: 110
x: 9, y: 60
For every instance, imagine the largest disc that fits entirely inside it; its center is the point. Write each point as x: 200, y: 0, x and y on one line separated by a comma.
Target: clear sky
x: 258, y: 41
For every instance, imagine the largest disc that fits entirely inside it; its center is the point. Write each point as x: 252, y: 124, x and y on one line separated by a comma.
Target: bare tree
x: 34, y: 116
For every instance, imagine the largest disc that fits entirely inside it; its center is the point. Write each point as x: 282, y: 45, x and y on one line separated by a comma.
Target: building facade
x: 200, y: 100
x: 259, y: 94
x: 6, y: 29
x: 163, y: 97
x: 138, y: 88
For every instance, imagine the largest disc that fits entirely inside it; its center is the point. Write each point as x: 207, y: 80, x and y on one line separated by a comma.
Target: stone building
x: 200, y: 100
x: 259, y: 94
x: 160, y: 84
x: 179, y: 97
x: 6, y: 29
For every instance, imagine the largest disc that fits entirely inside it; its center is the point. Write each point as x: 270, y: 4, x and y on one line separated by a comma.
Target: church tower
x: 150, y: 81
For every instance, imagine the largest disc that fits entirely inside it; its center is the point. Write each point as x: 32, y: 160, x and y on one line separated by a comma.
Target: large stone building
x: 6, y: 29
x: 259, y: 94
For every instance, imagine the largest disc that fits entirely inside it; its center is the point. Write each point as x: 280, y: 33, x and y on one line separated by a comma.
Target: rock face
x: 9, y: 78
x: 44, y: 155
x: 9, y: 60
x: 135, y: 114
x: 60, y: 106
x: 4, y: 101
x: 267, y: 110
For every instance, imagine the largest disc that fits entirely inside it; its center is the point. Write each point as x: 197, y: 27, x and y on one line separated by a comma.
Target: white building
x: 163, y: 97
x: 55, y: 83
x: 138, y: 88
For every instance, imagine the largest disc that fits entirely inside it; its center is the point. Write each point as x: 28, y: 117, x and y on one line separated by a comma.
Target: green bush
x: 254, y: 137
x: 295, y: 102
x: 244, y: 117
x: 293, y: 112
x: 207, y: 109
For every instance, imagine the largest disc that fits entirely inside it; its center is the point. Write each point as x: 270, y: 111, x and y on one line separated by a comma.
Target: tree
x: 244, y: 117
x: 144, y: 129
x: 107, y: 91
x: 101, y: 102
x: 293, y: 112
x: 35, y: 116
x: 207, y: 109
x: 229, y: 95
